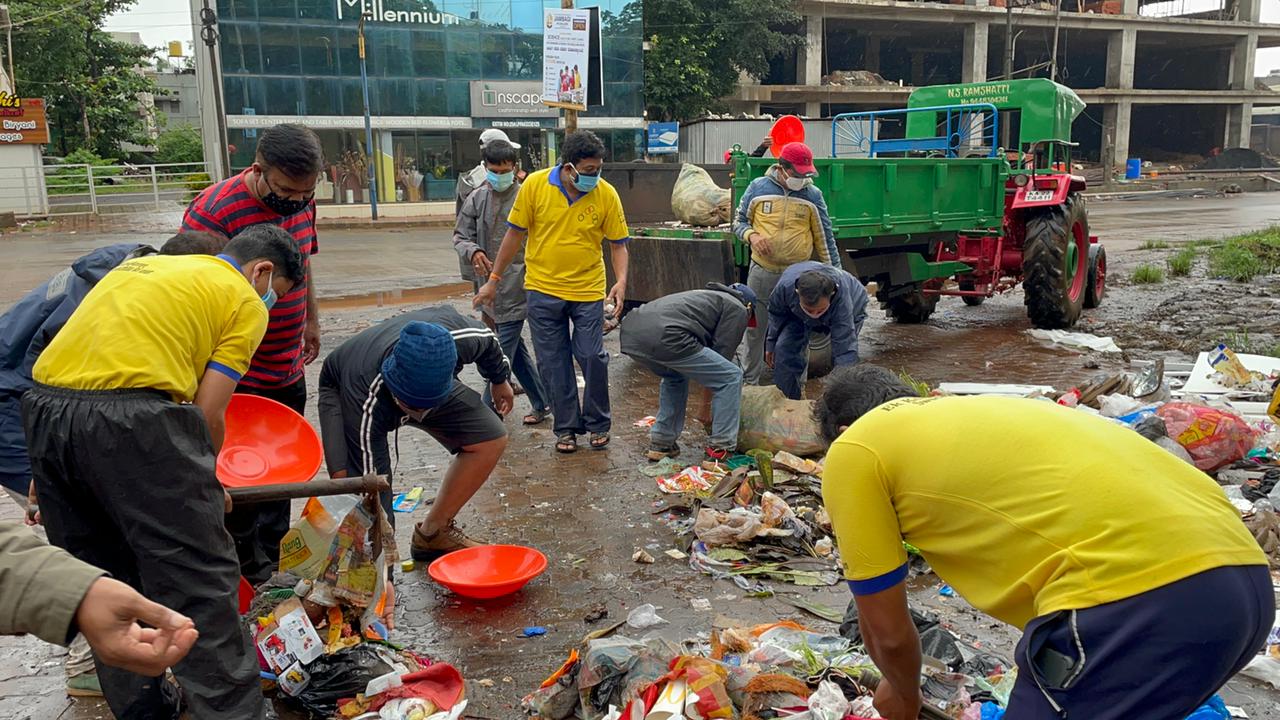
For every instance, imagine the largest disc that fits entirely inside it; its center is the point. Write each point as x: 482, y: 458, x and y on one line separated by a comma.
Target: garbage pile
x: 321, y: 624
x: 758, y: 672
x: 859, y: 78
x: 757, y: 517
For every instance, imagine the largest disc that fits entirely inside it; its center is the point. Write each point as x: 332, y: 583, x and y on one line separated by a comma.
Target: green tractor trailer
x: 926, y: 201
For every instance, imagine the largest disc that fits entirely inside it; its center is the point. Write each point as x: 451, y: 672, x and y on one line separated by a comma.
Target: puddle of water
x: 395, y: 297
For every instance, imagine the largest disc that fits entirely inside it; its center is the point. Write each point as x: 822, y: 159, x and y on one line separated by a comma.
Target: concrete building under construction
x: 1162, y: 78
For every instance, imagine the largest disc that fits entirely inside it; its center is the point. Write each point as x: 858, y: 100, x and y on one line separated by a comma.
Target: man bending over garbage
x: 1138, y: 589
x: 123, y: 429
x: 403, y: 371
x: 812, y: 297
x: 687, y: 336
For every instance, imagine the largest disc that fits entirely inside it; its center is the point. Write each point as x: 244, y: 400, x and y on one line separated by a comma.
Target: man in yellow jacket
x: 784, y: 219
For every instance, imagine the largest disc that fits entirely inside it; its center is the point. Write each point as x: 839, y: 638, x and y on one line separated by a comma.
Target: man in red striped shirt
x: 279, y: 188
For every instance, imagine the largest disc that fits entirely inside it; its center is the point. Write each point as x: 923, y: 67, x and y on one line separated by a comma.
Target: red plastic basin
x: 488, y: 571
x: 787, y: 129
x: 266, y: 443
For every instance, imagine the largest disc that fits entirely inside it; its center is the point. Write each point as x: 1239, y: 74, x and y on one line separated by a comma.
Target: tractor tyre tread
x: 1044, y: 285
x: 912, y: 308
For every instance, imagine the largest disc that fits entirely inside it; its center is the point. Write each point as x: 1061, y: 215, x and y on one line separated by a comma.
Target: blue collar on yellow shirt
x: 554, y: 178
x: 228, y: 260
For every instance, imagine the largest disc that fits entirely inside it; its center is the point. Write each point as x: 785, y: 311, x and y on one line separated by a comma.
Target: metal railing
x: 80, y: 189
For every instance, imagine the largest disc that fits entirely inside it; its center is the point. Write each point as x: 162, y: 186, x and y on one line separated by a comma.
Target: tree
x: 90, y: 81
x: 179, y: 144
x: 698, y: 49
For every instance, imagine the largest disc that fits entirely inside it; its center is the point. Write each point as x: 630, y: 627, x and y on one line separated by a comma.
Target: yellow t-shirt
x: 564, y: 257
x: 158, y: 322
x: 1024, y: 507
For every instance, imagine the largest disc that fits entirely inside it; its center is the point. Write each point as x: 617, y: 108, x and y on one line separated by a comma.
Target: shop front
x: 436, y: 80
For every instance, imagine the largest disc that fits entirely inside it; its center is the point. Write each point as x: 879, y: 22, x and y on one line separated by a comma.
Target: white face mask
x: 798, y: 183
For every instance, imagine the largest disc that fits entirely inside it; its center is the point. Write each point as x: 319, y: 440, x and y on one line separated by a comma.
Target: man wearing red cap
x: 784, y: 219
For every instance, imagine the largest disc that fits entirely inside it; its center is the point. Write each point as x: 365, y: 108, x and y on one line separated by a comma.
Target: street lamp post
x: 368, y: 128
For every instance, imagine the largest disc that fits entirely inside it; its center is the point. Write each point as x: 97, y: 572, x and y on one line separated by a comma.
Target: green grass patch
x: 1244, y: 257
x: 1182, y: 261
x: 919, y: 386
x: 1148, y: 274
x: 1155, y: 245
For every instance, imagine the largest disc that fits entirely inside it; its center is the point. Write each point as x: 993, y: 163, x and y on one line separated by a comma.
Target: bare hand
x: 226, y: 501
x: 893, y: 706
x: 768, y: 140
x: 504, y: 398
x: 311, y: 340
x: 480, y: 263
x: 616, y: 297
x: 486, y: 294
x: 388, y: 615
x: 760, y: 244
x: 768, y: 359
x: 108, y: 618
x: 32, y: 516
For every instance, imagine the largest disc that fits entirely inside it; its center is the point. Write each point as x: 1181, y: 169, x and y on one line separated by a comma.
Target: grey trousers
x: 762, y: 282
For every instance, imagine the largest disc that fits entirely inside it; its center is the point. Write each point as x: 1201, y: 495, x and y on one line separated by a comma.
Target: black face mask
x: 282, y: 206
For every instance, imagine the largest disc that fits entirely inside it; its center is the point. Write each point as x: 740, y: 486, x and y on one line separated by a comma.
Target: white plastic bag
x: 644, y: 617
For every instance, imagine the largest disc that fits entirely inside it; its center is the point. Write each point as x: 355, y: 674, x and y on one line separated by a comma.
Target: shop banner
x: 22, y: 121
x: 566, y: 46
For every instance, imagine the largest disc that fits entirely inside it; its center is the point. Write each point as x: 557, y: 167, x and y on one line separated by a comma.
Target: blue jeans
x: 557, y: 347
x: 522, y: 365
x: 791, y: 359
x: 709, y: 369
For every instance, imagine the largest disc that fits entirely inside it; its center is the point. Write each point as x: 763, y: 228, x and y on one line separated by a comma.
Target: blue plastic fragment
x: 992, y: 711
x: 534, y: 631
x: 946, y: 591
x: 1215, y: 709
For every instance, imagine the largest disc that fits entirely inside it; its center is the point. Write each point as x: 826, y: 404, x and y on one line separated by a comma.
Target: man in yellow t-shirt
x: 124, y: 466
x: 566, y: 213
x: 1138, y: 589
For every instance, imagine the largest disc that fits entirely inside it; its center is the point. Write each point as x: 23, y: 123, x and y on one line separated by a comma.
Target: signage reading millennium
x: 353, y: 9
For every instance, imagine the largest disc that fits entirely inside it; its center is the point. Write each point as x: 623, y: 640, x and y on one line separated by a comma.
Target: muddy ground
x: 589, y: 512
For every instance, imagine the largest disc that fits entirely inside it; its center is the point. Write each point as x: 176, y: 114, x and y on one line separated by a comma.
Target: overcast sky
x: 160, y: 21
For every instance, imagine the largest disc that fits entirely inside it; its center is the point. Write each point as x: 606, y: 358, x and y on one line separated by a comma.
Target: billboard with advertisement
x: 571, y: 58
x: 22, y: 121
x: 506, y: 99
x: 664, y: 138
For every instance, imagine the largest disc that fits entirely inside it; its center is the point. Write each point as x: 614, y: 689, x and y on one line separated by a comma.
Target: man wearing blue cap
x: 404, y: 372
x: 687, y: 336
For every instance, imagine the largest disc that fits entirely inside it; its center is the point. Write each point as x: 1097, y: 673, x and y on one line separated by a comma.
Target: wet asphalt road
x: 589, y: 512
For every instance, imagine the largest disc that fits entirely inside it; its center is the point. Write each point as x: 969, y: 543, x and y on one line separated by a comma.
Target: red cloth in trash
x: 441, y: 684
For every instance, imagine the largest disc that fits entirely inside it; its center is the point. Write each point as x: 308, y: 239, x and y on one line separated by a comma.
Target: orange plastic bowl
x: 787, y: 129
x: 488, y: 571
x: 266, y: 443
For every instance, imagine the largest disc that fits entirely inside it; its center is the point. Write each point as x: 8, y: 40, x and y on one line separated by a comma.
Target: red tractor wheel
x: 1055, y: 263
x: 1097, y: 276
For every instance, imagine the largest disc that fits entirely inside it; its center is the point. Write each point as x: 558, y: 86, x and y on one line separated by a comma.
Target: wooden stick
x: 315, y: 488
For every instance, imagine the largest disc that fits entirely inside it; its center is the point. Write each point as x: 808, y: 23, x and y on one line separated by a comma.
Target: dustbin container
x: 1133, y: 169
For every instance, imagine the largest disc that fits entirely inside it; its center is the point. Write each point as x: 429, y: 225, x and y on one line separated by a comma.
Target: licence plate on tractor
x: 1038, y: 195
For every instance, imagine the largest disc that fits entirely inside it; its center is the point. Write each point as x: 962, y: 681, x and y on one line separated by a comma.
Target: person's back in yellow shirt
x: 1023, y: 506
x: 158, y: 323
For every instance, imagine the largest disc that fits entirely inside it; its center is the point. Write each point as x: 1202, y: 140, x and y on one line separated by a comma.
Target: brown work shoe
x: 425, y: 547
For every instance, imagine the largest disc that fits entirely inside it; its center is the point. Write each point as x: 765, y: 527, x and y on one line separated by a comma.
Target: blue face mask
x: 501, y: 181
x: 269, y: 297
x: 584, y: 183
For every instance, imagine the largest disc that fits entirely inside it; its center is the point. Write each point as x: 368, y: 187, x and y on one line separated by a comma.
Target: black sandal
x: 537, y: 417
x: 567, y: 443
x: 599, y: 441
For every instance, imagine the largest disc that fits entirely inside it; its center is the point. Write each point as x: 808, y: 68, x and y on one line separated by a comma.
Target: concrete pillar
x: 974, y: 64
x: 1129, y: 7
x: 1249, y: 10
x: 1239, y: 125
x: 1115, y: 136
x: 1122, y: 46
x: 809, y: 60
x: 1242, y: 62
x: 871, y: 57
x: 813, y: 109
x: 917, y: 68
x: 210, y: 136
